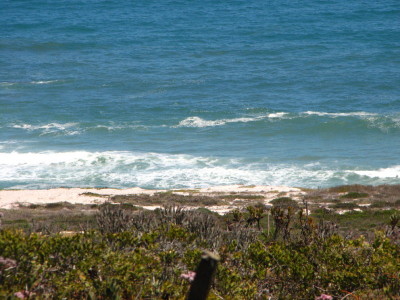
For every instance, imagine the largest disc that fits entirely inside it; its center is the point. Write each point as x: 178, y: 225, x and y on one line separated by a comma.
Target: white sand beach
x: 14, y: 198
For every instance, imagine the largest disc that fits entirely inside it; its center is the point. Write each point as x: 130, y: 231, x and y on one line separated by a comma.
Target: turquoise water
x: 174, y: 94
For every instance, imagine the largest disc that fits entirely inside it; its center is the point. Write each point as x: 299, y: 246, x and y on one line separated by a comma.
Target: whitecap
x: 22, y: 126
x: 58, y: 126
x: 390, y: 172
x: 155, y: 170
x: 44, y: 81
x: 4, y: 83
x: 199, y: 122
x: 383, y: 122
x: 49, y: 128
x: 277, y: 115
x: 39, y: 82
x: 341, y: 114
x: 166, y: 171
x: 115, y: 127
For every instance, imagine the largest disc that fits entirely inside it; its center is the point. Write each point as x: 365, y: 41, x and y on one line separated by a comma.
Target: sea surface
x: 178, y: 94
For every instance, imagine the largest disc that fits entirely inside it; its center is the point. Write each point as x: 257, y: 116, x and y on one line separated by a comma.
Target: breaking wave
x: 342, y: 114
x: 365, y: 120
x: 391, y: 172
x: 34, y: 82
x: 199, y: 122
x: 165, y: 171
x: 371, y: 120
x: 51, y: 128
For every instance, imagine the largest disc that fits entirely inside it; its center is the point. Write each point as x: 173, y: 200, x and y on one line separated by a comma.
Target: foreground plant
x: 146, y: 257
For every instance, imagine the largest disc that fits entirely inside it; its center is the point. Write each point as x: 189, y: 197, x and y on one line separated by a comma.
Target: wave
x: 342, y: 114
x: 8, y: 144
x: 363, y: 120
x: 371, y: 120
x: 166, y: 171
x: 391, y: 172
x: 383, y: 122
x: 34, y: 82
x: 5, y: 83
x: 74, y: 128
x: 199, y: 122
x: 49, y: 128
x: 44, y: 81
x: 277, y: 115
x: 116, y: 127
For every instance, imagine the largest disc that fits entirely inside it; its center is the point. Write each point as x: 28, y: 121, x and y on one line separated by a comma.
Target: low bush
x: 167, y: 198
x: 284, y: 202
x: 128, y: 265
x: 344, y: 205
x: 351, y: 188
x: 139, y: 254
x: 354, y: 195
x: 382, y: 204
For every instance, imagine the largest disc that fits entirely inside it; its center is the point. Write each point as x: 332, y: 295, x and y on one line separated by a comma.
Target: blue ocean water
x: 174, y: 94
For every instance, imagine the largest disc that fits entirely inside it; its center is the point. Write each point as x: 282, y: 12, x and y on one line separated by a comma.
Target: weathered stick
x: 204, y: 275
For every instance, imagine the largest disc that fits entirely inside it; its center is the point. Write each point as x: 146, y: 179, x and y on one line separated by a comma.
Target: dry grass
x: 243, y: 196
x: 357, y: 193
x: 368, y: 206
x: 51, y: 217
x: 168, y: 198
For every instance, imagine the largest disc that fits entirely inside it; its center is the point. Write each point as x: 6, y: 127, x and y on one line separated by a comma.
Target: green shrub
x: 242, y: 196
x: 381, y: 204
x: 284, y: 202
x: 58, y: 205
x: 141, y: 255
x: 344, y: 205
x: 354, y: 195
x: 349, y: 188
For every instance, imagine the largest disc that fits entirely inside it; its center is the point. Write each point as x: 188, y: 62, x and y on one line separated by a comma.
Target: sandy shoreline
x: 14, y: 198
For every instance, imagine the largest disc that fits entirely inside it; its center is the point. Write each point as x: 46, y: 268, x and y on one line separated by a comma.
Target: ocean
x: 183, y: 94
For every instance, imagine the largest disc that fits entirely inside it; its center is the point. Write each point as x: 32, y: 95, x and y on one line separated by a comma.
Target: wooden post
x: 201, y: 284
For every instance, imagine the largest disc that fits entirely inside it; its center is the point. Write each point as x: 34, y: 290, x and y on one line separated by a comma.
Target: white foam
x: 114, y: 127
x: 277, y: 115
x: 44, y: 81
x: 391, y: 172
x: 342, y: 114
x: 49, y: 128
x: 199, y: 122
x: 166, y: 171
x: 76, y: 128
x: 384, y: 122
x: 156, y: 170
x: 46, y: 126
x: 22, y: 126
x: 41, y: 158
x: 5, y: 83
x: 10, y: 142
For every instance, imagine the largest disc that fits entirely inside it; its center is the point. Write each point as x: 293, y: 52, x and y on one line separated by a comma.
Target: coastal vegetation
x: 292, y: 249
